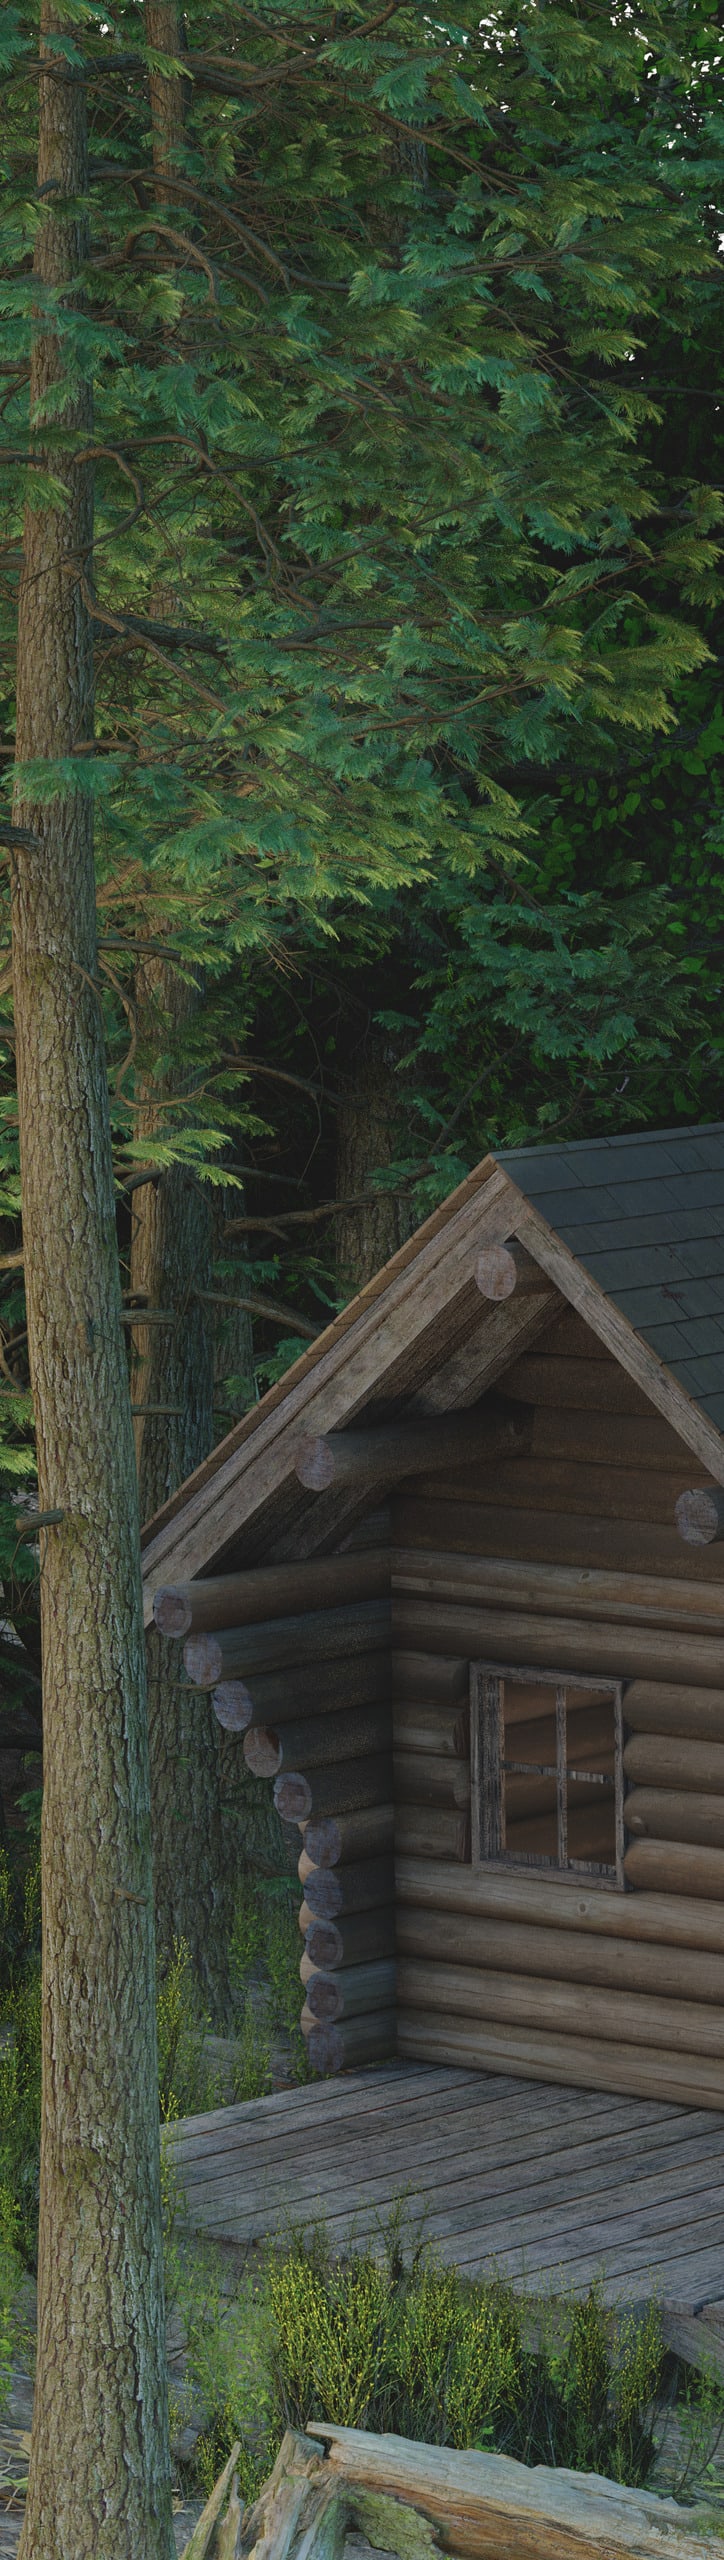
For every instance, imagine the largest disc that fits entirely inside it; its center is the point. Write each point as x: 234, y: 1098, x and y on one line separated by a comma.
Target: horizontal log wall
x: 308, y: 1694
x: 566, y: 1558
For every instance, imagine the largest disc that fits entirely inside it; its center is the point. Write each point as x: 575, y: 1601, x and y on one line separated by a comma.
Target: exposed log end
x: 232, y: 1706
x: 203, y: 1660
x: 323, y: 1841
x: 293, y: 1796
x: 263, y: 1751
x: 322, y: 1940
x: 325, y: 1996
x: 323, y: 1891
x: 325, y: 2045
x: 495, y: 1272
x: 314, y: 1464
x: 699, y: 1516
x: 172, y: 1612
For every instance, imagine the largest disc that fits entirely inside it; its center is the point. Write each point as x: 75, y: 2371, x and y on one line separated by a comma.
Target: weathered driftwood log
x: 303, y: 2512
x: 442, y: 1730
x: 330, y: 1838
x: 659, y: 1706
x: 270, y: 1591
x: 432, y: 1678
x: 699, y: 1516
x: 360, y: 1937
x: 528, y: 2000
x: 237, y: 1652
x: 352, y: 1992
x: 317, y: 1741
x: 347, y: 1787
x: 359, y: 1886
x: 578, y: 2061
x: 217, y: 2536
x: 423, y: 1832
x: 662, y: 1760
x: 520, y: 1947
x: 278, y: 1696
x: 569, y: 1905
x: 675, y: 1867
x: 669, y: 1813
x: 396, y: 1449
x: 423, y: 1778
x: 487, y: 2504
x: 353, y: 2041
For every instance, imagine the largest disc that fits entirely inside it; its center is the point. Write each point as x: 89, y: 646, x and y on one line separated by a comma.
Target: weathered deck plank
x: 550, y: 2185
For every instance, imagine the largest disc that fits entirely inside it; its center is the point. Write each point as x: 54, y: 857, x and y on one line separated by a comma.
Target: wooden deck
x: 551, y: 2186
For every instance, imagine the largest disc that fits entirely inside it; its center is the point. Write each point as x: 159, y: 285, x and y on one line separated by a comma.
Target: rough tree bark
x: 171, y: 1262
x: 370, y: 1135
x: 99, y: 2465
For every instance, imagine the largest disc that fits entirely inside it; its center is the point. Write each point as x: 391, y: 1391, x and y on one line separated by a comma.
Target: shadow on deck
x: 549, y: 2186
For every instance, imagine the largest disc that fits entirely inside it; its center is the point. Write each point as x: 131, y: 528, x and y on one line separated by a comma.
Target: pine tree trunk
x: 173, y: 1368
x: 171, y: 1263
x: 370, y: 1135
x: 99, y: 2465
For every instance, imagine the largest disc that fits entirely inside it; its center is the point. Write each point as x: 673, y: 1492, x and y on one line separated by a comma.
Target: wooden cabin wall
x: 308, y: 1695
x: 567, y: 1559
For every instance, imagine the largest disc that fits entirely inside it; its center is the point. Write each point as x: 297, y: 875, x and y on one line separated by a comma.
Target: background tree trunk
x: 370, y: 1135
x: 171, y: 1261
x: 99, y: 2466
x: 173, y: 1371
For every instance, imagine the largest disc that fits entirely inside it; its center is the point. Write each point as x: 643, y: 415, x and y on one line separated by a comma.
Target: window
x: 547, y: 1771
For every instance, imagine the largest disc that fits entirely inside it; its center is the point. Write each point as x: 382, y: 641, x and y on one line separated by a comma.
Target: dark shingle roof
x: 645, y: 1215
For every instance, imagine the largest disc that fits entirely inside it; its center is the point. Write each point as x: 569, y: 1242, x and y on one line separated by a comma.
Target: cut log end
x: 314, y: 1464
x: 293, y: 1796
x: 495, y: 1272
x: 172, y: 1613
x: 232, y: 1706
x: 325, y: 2047
x: 203, y: 1660
x: 263, y: 1751
x: 699, y: 1516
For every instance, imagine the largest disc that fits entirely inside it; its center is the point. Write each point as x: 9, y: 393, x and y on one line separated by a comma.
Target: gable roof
x: 644, y: 1214
x: 420, y: 1338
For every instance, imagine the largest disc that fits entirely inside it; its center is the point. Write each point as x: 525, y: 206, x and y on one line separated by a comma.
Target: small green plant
x: 9, y: 2288
x: 699, y: 2410
x: 187, y: 2082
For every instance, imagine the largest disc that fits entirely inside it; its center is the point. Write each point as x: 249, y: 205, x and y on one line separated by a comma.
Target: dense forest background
x: 407, y: 770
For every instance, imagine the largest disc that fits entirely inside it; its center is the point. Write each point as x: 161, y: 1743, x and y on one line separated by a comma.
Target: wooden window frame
x: 487, y: 1765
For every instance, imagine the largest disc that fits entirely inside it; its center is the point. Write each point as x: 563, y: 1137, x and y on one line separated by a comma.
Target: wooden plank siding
x: 557, y: 1977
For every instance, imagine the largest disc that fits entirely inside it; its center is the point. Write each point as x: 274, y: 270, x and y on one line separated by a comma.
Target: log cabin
x: 457, y: 1587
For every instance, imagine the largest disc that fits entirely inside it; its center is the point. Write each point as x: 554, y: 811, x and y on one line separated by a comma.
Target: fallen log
x: 269, y: 1591
x: 485, y: 2504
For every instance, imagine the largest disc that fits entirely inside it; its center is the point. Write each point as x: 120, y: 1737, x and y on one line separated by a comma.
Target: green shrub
x: 425, y: 2353
x: 188, y: 2084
